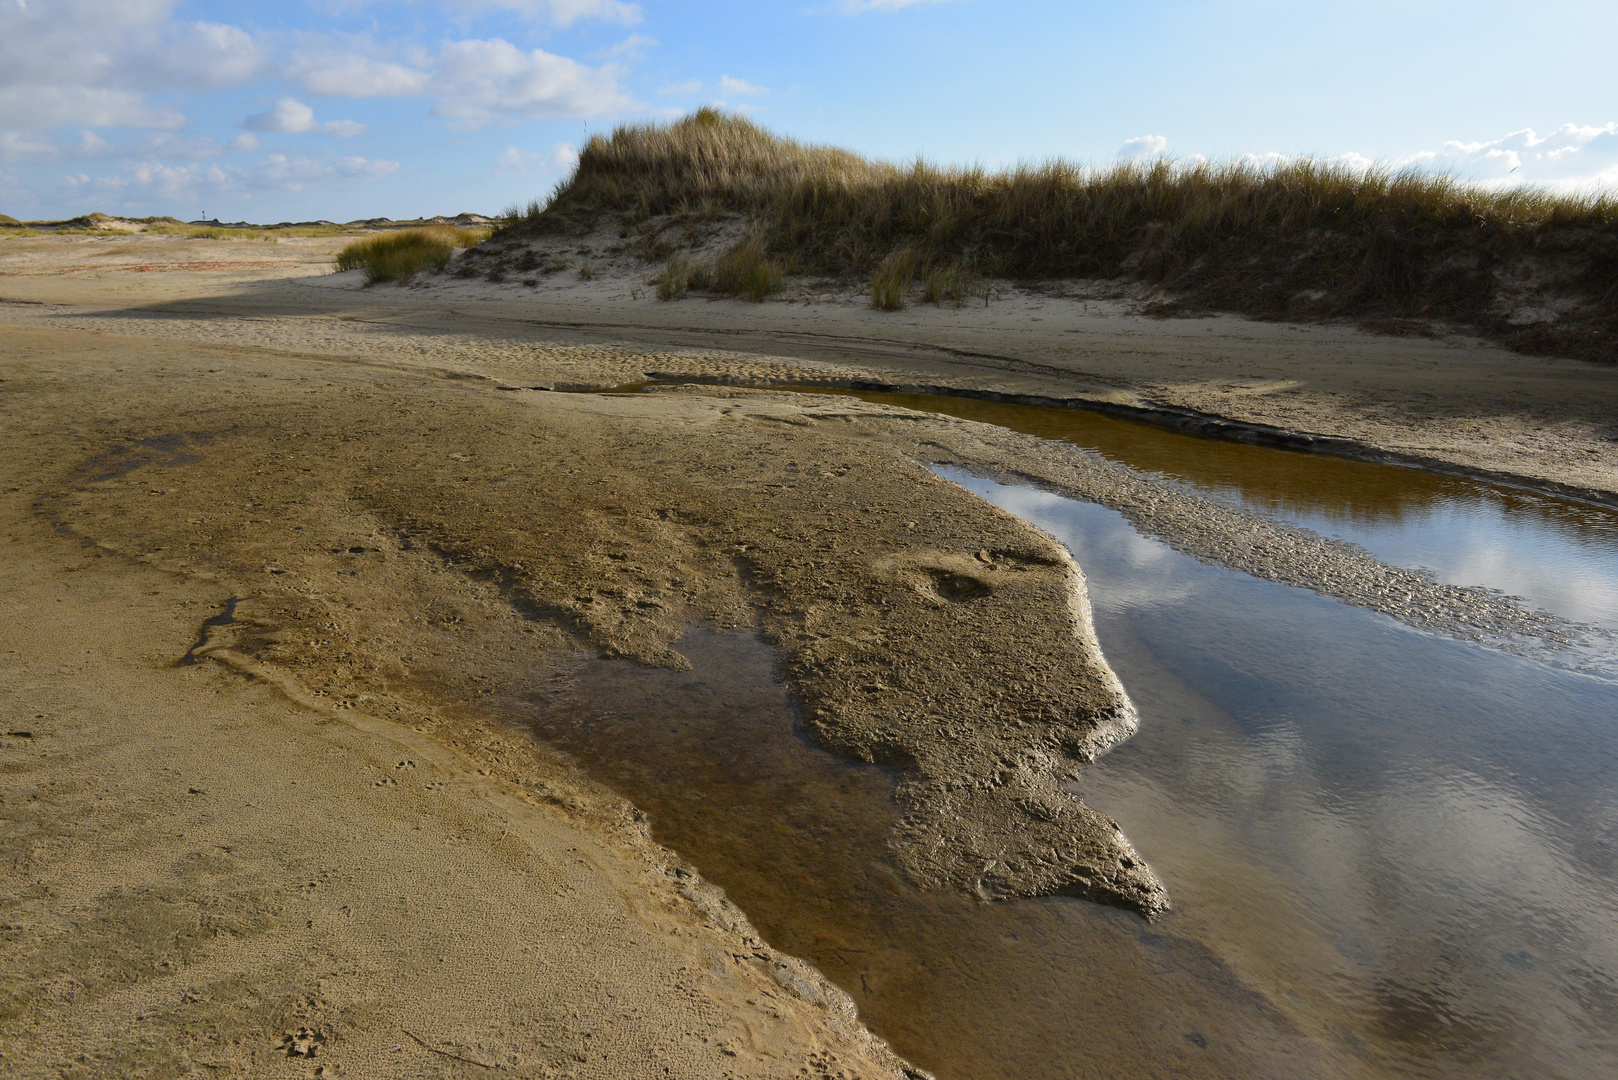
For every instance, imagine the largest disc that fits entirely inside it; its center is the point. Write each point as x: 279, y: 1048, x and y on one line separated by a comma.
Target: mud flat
x: 418, y: 544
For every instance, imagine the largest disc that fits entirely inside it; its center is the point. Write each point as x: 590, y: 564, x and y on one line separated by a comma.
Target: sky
x: 343, y: 109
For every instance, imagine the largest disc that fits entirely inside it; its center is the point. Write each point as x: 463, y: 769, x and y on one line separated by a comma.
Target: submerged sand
x: 326, y: 836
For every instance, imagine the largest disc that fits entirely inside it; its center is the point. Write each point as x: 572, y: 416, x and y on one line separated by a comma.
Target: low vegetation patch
x: 746, y: 270
x: 1305, y: 240
x: 890, y: 285
x: 399, y: 256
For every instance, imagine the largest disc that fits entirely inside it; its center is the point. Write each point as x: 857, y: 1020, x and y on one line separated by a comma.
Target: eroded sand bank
x: 416, y: 539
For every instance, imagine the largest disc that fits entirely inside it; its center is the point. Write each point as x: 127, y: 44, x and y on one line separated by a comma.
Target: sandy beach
x: 286, y: 556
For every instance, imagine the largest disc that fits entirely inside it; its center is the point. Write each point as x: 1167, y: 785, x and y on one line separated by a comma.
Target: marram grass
x: 1300, y: 240
x: 400, y: 255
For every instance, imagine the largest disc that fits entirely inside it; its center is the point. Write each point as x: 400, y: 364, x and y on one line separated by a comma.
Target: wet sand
x: 417, y: 536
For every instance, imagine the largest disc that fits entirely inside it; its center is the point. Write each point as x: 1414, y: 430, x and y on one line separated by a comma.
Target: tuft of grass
x: 1304, y: 239
x: 400, y: 255
x: 890, y: 285
x: 675, y: 279
x: 586, y: 271
x: 952, y: 284
x: 747, y: 270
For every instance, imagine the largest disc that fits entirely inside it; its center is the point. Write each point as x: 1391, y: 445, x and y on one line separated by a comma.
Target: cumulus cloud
x: 295, y: 174
x: 95, y: 64
x: 632, y: 47
x: 163, y: 183
x: 1142, y: 147
x: 562, y: 13
x: 291, y: 116
x: 480, y: 81
x: 474, y: 81
x: 329, y: 70
x: 1571, y: 155
x: 729, y: 85
x: 41, y: 108
x: 857, y: 7
x: 16, y: 146
x: 516, y: 161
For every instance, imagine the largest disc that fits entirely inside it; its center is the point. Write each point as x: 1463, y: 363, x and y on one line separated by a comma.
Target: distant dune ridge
x: 1400, y: 251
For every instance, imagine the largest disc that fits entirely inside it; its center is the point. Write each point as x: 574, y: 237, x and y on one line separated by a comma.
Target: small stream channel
x: 1390, y: 853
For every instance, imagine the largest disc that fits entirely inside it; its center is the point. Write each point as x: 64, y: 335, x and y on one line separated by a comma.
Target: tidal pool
x: 1404, y: 843
x: 1390, y: 854
x: 1557, y: 554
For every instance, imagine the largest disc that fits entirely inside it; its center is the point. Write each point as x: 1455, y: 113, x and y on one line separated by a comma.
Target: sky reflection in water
x: 1407, y: 838
x: 1559, y: 555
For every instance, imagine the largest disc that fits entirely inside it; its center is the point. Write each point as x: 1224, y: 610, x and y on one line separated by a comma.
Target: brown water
x: 1557, y: 554
x: 1390, y: 854
x: 797, y: 837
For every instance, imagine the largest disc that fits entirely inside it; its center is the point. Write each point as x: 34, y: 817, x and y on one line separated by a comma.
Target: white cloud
x: 287, y: 115
x: 92, y: 145
x: 45, y: 107
x: 15, y: 146
x: 295, y: 174
x: 332, y: 72
x: 563, y: 13
x: 516, y: 161
x: 291, y: 116
x: 245, y: 141
x: 857, y: 7
x: 480, y: 81
x: 97, y: 64
x: 729, y: 85
x: 632, y: 47
x: 1142, y: 147
x: 474, y: 81
x: 211, y: 56
x: 161, y: 184
x: 1571, y: 157
x: 1572, y: 154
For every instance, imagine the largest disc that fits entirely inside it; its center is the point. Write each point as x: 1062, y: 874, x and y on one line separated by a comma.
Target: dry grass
x: 953, y: 285
x: 1302, y: 240
x: 400, y: 255
x: 745, y: 270
x: 890, y: 285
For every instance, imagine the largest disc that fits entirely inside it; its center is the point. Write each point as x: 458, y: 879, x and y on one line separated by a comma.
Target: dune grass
x: 745, y: 270
x: 1302, y: 239
x: 400, y: 255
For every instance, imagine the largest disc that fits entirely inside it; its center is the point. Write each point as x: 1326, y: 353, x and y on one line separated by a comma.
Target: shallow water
x: 1559, y: 555
x: 1407, y: 840
x: 1390, y: 854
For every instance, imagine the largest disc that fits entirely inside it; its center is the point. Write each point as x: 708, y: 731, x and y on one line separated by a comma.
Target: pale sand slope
x: 209, y: 875
x: 200, y: 871
x: 1447, y: 398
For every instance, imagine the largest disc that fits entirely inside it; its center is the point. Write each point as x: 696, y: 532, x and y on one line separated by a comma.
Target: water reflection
x: 1390, y: 854
x: 1558, y: 554
x: 1406, y: 837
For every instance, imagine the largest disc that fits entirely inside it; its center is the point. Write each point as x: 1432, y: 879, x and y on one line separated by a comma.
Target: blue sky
x: 340, y: 109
